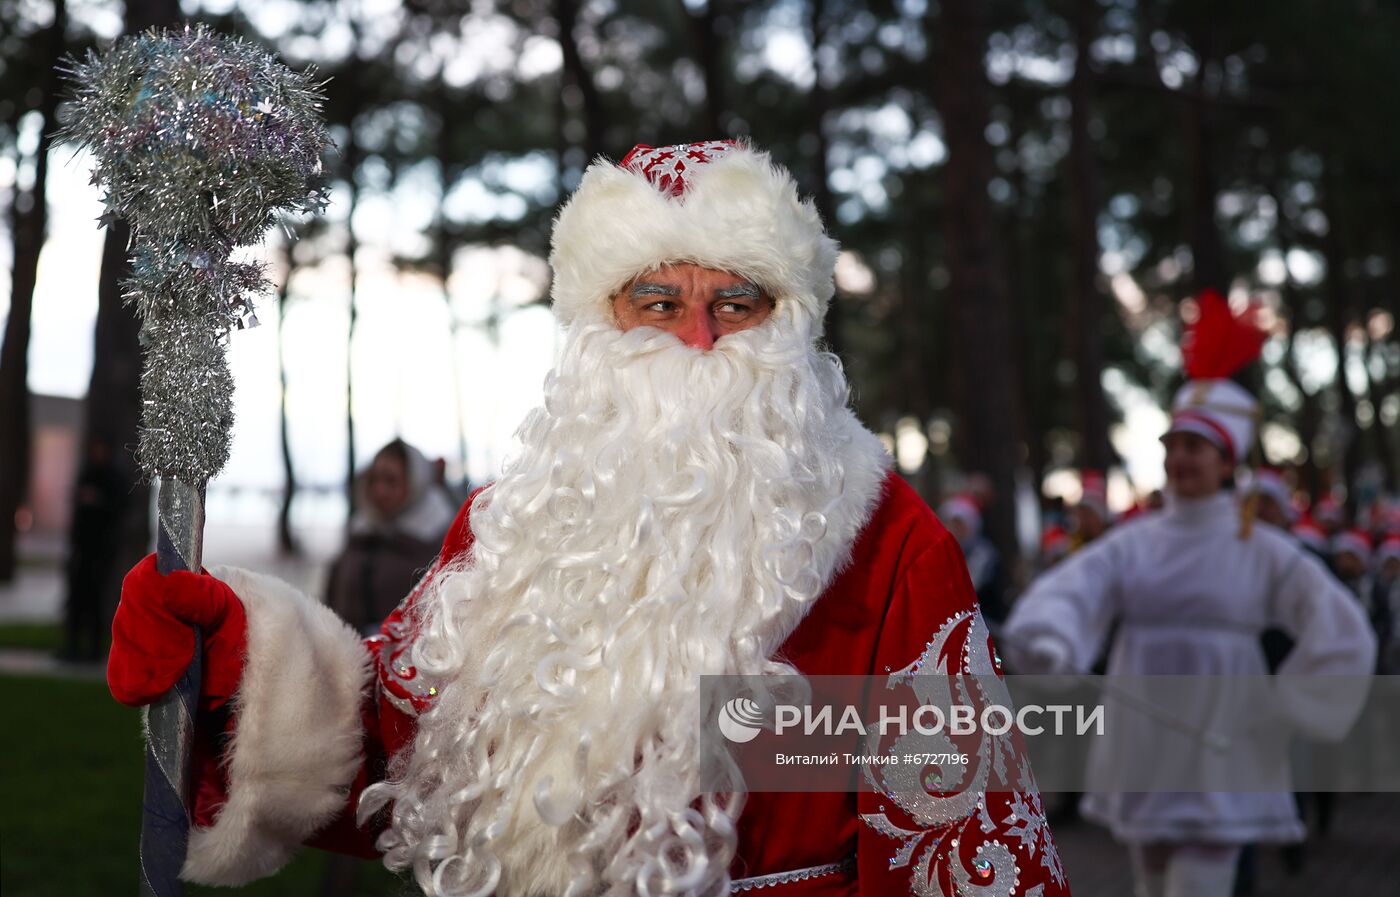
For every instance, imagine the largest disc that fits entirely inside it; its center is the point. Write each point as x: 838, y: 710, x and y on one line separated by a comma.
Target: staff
x: 201, y: 142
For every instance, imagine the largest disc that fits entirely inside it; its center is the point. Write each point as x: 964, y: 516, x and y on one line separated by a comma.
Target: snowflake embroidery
x: 666, y: 166
x: 1025, y: 821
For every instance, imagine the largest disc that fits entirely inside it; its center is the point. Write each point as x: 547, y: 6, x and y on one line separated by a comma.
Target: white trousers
x: 1178, y: 870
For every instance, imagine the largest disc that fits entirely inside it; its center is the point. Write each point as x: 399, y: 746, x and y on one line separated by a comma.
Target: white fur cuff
x: 297, y: 743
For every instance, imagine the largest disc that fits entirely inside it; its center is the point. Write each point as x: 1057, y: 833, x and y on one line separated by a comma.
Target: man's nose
x: 698, y: 331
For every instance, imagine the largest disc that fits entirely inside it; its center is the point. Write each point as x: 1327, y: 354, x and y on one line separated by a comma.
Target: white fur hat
x: 719, y: 204
x: 1353, y: 541
x: 961, y: 507
x: 1311, y: 535
x: 1220, y: 410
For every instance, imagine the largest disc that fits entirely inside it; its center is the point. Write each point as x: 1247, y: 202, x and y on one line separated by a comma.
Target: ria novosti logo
x: 740, y: 720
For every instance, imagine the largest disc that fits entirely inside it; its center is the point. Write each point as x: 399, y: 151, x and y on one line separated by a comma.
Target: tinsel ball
x: 198, y: 135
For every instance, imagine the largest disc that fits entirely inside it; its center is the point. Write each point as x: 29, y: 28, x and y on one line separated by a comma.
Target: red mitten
x: 153, y: 635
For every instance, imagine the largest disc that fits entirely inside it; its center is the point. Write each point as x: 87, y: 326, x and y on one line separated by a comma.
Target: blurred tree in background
x: 1026, y: 191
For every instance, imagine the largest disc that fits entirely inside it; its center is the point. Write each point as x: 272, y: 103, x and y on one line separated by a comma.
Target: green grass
x: 70, y: 770
x: 31, y: 636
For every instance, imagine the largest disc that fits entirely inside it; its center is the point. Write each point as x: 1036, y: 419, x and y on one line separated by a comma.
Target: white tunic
x: 1190, y: 597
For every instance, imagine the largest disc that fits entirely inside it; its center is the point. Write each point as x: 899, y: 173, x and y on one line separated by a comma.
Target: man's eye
x: 733, y: 308
x: 661, y: 305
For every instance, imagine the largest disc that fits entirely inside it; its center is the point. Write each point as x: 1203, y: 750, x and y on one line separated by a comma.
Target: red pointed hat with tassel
x: 1215, y: 347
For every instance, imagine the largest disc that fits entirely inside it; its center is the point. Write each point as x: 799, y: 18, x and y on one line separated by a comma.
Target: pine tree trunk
x: 1340, y: 315
x: 352, y: 247
x: 1207, y: 251
x: 354, y: 157
x: 577, y: 74
x: 1087, y: 309
x: 1386, y: 456
x: 1310, y: 415
x: 705, y: 40
x: 286, y: 539
x: 911, y: 345
x: 143, y: 14
x: 29, y: 227
x: 443, y: 248
x: 819, y: 106
x: 977, y: 288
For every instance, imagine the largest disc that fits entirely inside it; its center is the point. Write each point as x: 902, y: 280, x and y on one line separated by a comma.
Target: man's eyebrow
x: 746, y: 290
x: 648, y: 288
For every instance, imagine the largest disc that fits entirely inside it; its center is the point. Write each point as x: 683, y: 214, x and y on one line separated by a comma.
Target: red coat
x: 904, y: 593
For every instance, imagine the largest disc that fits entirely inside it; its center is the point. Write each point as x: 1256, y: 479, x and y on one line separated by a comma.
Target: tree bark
x: 1340, y: 314
x: 1207, y: 252
x: 911, y: 350
x: 819, y: 105
x: 576, y: 72
x: 1386, y: 456
x: 286, y: 539
x: 443, y: 247
x: 354, y: 157
x: 1310, y: 414
x: 1086, y: 307
x: 112, y: 420
x: 143, y: 14
x: 705, y: 38
x: 1036, y: 413
x: 352, y: 247
x: 978, y: 290
x: 29, y: 227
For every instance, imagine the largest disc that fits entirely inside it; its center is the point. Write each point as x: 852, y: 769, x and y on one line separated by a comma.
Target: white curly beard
x: 672, y: 513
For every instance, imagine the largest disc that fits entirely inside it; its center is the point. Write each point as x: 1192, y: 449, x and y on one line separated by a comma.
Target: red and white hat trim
x: 962, y: 507
x: 1310, y: 534
x: 1220, y: 410
x: 1352, y: 540
x: 1328, y: 510
x: 1093, y: 487
x: 1270, y: 482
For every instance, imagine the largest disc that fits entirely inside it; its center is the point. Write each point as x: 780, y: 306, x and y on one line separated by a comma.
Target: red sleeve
x: 391, y: 708
x: 388, y: 725
x: 962, y: 840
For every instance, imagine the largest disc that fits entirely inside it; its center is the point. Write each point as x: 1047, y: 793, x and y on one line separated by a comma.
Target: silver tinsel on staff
x: 201, y: 143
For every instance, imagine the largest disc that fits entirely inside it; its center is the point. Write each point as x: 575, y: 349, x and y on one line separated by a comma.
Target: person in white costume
x: 1191, y: 589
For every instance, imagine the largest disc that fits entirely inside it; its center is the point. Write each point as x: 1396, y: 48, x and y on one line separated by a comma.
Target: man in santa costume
x: 693, y: 496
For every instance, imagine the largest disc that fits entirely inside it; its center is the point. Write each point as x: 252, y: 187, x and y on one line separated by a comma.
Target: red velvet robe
x: 904, y: 594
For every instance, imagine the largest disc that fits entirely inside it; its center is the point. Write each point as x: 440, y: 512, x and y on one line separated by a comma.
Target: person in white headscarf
x: 400, y: 519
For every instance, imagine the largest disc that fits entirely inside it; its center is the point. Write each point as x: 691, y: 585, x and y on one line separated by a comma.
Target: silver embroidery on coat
x: 783, y: 878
